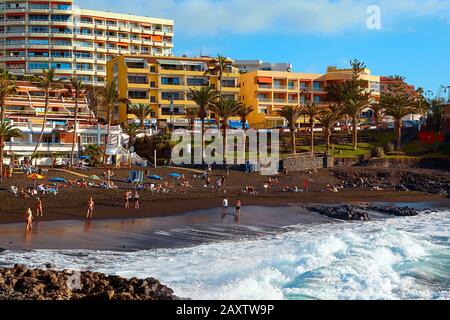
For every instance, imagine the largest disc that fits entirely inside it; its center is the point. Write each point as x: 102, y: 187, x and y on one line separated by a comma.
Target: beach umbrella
x: 57, y: 180
x: 35, y: 176
x: 175, y: 175
x: 155, y: 177
x: 84, y: 157
x: 94, y: 177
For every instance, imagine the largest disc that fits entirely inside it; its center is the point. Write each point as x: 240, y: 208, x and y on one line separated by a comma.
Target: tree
x: 335, y: 95
x: 141, y: 111
x: 7, y: 87
x: 328, y: 119
x: 435, y: 114
x: 6, y: 132
x: 378, y: 110
x: 132, y: 131
x: 191, y: 115
x: 94, y: 152
x: 218, y: 66
x: 355, y: 97
x: 312, y: 111
x: 291, y: 114
x: 398, y: 103
x: 76, y: 91
x: 204, y: 98
x: 108, y: 97
x: 48, y: 82
x: 243, y: 112
x: 225, y: 109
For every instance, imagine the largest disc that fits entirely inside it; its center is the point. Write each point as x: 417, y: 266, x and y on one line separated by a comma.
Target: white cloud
x: 212, y: 17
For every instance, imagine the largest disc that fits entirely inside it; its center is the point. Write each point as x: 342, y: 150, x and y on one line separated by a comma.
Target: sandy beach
x: 71, y: 202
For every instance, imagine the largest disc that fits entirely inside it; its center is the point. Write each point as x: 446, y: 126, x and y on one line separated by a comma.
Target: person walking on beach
x: 39, y: 209
x: 130, y: 199
x: 238, y: 208
x: 125, y: 198
x: 90, y: 210
x: 306, y: 185
x: 29, y: 220
x: 224, y: 207
x: 136, y: 200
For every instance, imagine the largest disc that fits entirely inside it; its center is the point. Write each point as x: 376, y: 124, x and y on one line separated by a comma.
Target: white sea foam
x: 401, y: 258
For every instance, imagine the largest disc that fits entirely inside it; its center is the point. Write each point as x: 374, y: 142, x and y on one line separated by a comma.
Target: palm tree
x: 108, y: 97
x: 435, y: 114
x: 312, y: 111
x: 132, y: 131
x: 141, y: 111
x: 328, y: 119
x: 48, y: 82
x: 398, y: 105
x: 191, y: 115
x: 218, y: 66
x: 335, y: 95
x: 378, y: 111
x: 291, y: 114
x: 204, y: 98
x: 243, y: 112
x: 94, y: 152
x: 6, y: 132
x: 225, y: 109
x: 76, y: 90
x: 7, y: 87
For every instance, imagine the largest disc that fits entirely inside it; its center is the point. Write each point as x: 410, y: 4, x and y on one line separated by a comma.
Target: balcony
x: 265, y: 86
x: 42, y: 147
x: 279, y: 87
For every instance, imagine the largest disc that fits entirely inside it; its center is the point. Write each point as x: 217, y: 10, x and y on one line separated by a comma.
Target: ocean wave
x: 400, y: 258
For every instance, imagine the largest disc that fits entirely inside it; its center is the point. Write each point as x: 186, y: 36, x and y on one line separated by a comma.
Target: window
x: 61, y: 66
x: 317, y: 99
x: 38, y: 17
x: 37, y: 54
x: 317, y: 86
x: 60, y: 17
x: 39, y: 42
x: 152, y: 69
x: 82, y: 55
x: 137, y: 79
x: 116, y: 68
x: 197, y: 82
x: 170, y: 81
x: 170, y: 96
x: 37, y: 65
x: 228, y: 83
x: 89, y: 138
x: 38, y: 29
x: 152, y: 99
x: 152, y: 84
x: 61, y: 54
x: 137, y: 94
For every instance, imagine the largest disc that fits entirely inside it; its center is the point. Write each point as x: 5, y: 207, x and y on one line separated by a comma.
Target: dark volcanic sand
x: 70, y: 203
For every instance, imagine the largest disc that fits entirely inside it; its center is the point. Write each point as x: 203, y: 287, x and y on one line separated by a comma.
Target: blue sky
x: 414, y: 39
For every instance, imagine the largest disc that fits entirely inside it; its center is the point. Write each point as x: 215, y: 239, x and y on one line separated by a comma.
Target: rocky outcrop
x: 342, y: 212
x: 395, y: 211
x: 21, y: 283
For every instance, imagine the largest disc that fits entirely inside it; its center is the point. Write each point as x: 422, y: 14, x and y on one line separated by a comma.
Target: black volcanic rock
x: 21, y: 283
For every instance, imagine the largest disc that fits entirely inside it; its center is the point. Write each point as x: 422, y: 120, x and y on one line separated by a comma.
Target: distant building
x: 164, y: 84
x: 25, y: 111
x: 255, y: 65
x: 269, y: 91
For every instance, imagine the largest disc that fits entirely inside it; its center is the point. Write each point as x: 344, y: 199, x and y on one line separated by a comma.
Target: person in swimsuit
x: 238, y: 208
x: 29, y: 220
x: 39, y: 209
x: 130, y: 199
x: 127, y: 203
x: 90, y: 210
x: 136, y: 200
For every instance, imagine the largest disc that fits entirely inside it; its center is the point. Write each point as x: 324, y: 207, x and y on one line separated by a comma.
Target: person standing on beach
x: 306, y: 185
x: 224, y: 207
x: 90, y: 210
x: 238, y: 208
x: 125, y: 198
x: 29, y: 220
x: 130, y: 199
x: 39, y: 209
x: 136, y: 200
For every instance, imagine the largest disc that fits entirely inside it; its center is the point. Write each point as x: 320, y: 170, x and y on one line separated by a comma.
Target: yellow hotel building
x: 156, y: 81
x: 268, y: 91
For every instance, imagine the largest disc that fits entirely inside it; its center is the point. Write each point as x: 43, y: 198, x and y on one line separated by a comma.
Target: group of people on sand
x: 29, y: 215
x: 131, y: 199
x: 225, y: 205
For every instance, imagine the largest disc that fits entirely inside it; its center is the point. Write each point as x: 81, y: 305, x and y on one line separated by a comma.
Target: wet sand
x: 180, y: 230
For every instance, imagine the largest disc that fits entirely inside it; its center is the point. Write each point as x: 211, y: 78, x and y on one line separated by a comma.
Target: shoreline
x: 174, y: 206
x: 182, y: 230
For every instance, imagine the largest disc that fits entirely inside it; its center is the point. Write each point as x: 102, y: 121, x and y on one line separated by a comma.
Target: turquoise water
x: 401, y: 258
